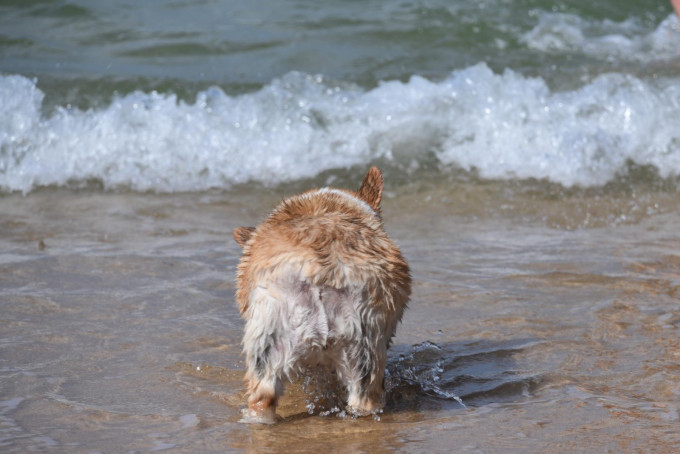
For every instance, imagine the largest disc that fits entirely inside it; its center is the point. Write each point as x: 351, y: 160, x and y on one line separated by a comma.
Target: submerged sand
x: 553, y: 317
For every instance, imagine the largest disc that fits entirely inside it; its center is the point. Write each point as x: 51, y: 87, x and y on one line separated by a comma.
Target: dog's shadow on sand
x: 437, y: 376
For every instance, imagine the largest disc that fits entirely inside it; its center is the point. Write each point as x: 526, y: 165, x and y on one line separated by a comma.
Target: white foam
x: 628, y: 40
x: 511, y: 126
x: 505, y: 125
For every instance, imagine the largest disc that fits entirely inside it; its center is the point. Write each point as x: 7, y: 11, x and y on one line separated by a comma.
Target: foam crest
x: 503, y: 125
x: 510, y: 126
x: 627, y: 40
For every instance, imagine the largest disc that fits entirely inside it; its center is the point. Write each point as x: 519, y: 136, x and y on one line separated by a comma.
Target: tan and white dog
x: 320, y: 283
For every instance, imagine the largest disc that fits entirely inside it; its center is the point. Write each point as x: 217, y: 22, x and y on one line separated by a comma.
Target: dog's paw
x: 251, y: 416
x: 364, y: 406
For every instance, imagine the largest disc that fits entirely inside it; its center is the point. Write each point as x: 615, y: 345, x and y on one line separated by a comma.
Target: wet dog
x: 320, y: 283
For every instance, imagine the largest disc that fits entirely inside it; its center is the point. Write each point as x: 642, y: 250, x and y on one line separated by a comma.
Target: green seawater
x: 83, y: 52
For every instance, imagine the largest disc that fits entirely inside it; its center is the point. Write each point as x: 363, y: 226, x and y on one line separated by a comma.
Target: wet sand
x: 554, y: 319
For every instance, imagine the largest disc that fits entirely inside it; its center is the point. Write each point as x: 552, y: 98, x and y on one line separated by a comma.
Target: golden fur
x: 320, y: 282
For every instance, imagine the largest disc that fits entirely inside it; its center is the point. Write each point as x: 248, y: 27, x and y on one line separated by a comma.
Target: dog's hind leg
x: 265, y: 384
x: 264, y: 395
x: 265, y: 351
x: 366, y: 378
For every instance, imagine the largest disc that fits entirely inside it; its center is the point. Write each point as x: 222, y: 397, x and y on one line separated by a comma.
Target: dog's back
x: 320, y: 282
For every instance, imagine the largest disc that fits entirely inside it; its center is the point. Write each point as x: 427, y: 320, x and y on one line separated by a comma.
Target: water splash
x: 471, y: 374
x: 419, y: 372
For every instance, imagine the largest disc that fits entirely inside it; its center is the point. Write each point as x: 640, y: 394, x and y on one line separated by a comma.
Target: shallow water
x: 119, y: 330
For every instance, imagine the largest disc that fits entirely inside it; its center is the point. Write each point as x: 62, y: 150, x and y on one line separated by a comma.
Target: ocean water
x: 531, y: 152
x: 189, y: 96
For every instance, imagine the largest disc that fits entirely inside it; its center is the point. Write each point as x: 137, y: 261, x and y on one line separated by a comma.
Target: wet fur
x: 320, y: 282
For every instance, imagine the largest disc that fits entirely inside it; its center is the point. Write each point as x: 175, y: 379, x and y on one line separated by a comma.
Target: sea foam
x: 502, y: 125
x: 604, y: 39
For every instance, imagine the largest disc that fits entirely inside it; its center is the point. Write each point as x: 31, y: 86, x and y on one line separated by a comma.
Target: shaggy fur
x: 320, y: 283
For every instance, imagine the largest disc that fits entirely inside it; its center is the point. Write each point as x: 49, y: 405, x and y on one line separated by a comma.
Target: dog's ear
x: 371, y: 188
x: 242, y: 235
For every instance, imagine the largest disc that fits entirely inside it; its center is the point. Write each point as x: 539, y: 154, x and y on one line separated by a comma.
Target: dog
x: 320, y: 284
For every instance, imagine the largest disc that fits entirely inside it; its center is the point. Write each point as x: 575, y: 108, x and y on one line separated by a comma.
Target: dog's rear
x: 320, y: 283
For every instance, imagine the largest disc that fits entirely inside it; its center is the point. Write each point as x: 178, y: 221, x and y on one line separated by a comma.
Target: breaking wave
x: 503, y: 126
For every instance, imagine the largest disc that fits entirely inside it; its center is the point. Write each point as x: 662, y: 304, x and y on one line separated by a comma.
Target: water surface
x: 531, y: 151
x: 120, y: 331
